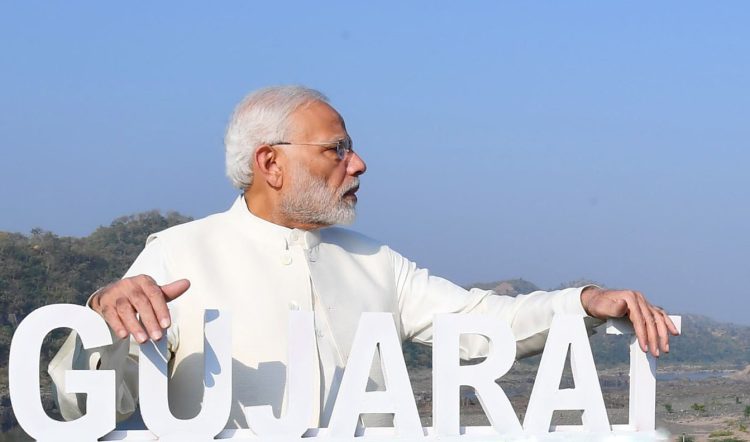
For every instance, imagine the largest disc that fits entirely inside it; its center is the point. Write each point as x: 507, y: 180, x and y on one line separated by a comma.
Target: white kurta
x: 260, y: 271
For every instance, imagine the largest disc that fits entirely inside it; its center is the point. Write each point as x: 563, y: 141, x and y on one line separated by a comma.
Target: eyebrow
x: 334, y: 141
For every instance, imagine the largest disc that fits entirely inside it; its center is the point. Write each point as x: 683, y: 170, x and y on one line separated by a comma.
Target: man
x: 274, y: 251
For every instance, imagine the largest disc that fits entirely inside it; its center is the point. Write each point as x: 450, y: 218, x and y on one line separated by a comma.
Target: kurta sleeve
x: 421, y: 296
x: 121, y: 356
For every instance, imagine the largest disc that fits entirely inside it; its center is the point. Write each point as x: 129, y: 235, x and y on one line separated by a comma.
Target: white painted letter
x: 23, y: 375
x: 299, y: 388
x: 546, y: 396
x: 642, y: 397
x: 375, y: 331
x: 217, y: 396
x: 449, y: 375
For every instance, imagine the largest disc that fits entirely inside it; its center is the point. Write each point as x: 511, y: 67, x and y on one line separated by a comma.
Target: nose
x: 356, y: 165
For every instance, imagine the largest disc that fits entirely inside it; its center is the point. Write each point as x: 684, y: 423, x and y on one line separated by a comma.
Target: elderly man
x: 274, y: 251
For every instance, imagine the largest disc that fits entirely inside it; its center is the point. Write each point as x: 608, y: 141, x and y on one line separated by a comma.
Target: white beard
x: 311, y: 201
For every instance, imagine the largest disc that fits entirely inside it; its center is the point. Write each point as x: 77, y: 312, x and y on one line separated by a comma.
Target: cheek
x: 337, y: 177
x: 323, y: 171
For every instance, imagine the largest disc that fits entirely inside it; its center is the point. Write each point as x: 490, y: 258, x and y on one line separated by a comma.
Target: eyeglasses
x: 342, y: 146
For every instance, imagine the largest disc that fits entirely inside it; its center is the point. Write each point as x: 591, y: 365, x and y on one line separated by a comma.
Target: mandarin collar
x: 261, y: 228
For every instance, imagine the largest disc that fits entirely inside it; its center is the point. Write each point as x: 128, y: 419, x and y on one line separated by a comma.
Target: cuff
x: 570, y: 301
x: 88, y: 301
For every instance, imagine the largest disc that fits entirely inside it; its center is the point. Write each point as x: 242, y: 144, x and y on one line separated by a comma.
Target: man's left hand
x: 651, y: 323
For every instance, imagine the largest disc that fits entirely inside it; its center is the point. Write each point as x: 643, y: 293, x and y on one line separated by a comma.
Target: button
x: 295, y: 235
x: 319, y: 332
x: 293, y: 306
x: 286, y: 259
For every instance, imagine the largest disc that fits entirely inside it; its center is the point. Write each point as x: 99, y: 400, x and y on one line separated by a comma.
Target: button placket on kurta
x: 292, y: 254
x: 330, y: 364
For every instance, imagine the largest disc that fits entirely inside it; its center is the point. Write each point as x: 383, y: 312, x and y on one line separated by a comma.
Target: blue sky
x: 544, y: 140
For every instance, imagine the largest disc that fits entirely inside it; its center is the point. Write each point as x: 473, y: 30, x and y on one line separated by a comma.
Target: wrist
x: 587, y: 295
x: 94, y: 303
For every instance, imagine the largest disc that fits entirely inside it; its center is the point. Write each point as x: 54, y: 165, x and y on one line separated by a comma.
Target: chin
x: 347, y: 218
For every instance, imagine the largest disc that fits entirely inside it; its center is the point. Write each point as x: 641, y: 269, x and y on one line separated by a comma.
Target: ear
x: 265, y: 165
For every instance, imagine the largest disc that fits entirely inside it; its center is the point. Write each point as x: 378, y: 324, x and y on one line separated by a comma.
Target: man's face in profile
x: 321, y: 180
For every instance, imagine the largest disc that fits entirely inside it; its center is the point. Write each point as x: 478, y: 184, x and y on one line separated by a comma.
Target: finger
x: 126, y: 312
x: 670, y: 325
x: 661, y: 328
x: 169, y: 293
x: 175, y: 289
x: 636, y: 318
x: 158, y: 303
x: 618, y: 308
x: 650, y: 321
x: 110, y: 315
x: 143, y: 306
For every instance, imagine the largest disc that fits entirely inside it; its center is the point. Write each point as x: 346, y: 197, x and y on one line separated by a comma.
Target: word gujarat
x: 376, y: 333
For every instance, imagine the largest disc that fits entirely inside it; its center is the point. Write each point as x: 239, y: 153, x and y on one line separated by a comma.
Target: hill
x: 43, y: 268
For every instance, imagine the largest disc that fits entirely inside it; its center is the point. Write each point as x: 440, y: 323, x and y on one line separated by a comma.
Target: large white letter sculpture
x: 376, y: 331
x: 23, y: 376
x: 217, y: 394
x: 546, y: 396
x: 299, y: 386
x: 449, y: 375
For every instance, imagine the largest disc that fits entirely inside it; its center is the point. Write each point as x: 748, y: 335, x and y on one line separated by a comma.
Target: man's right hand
x: 119, y: 302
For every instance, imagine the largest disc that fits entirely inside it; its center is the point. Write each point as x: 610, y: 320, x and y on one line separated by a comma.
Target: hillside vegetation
x: 43, y: 268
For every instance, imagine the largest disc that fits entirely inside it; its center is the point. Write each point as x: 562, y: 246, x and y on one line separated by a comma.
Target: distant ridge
x: 704, y: 341
x: 507, y: 287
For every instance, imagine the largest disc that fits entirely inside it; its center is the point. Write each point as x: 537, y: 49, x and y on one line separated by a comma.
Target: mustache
x: 353, y: 185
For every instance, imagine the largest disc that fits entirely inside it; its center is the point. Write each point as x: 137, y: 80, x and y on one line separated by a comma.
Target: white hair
x: 262, y: 117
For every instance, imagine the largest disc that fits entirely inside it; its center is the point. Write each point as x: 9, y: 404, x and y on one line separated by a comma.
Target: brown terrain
x: 701, y: 403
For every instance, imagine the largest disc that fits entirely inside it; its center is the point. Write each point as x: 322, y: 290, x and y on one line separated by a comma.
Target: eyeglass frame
x: 343, y: 146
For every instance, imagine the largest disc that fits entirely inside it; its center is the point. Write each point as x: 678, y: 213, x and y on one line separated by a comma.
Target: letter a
x: 546, y: 396
x: 449, y: 375
x: 376, y: 330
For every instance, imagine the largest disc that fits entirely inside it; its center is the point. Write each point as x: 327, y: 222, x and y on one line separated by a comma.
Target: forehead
x: 315, y: 120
